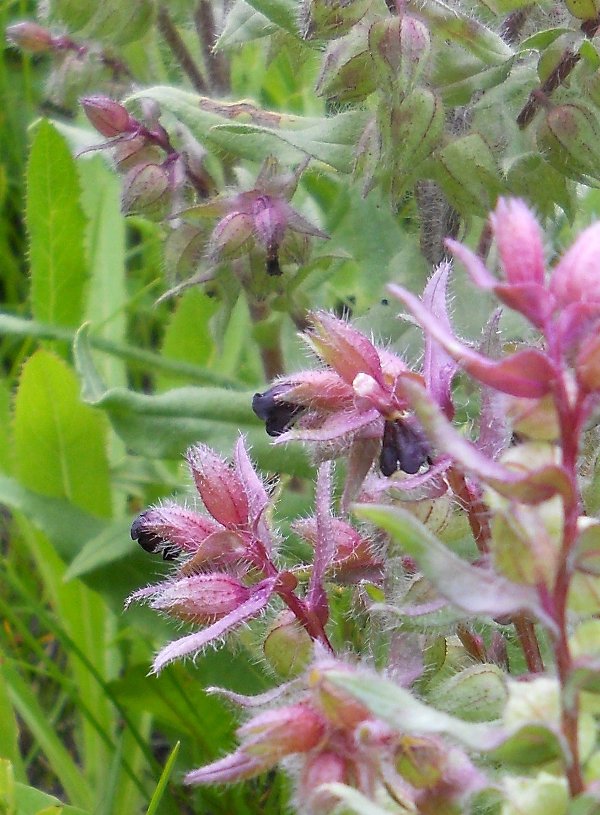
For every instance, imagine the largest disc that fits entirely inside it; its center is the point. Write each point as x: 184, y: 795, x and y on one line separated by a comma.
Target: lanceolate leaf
x: 60, y: 442
x: 476, y: 590
x: 56, y: 226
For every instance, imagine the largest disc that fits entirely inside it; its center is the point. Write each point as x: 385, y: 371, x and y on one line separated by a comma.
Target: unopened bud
x: 201, y: 598
x: 324, y: 19
x: 326, y: 767
x: 108, y: 117
x: 467, y: 171
x: 576, y: 277
x: 568, y: 136
x: 583, y: 9
x: 278, y: 733
x: 341, y: 709
x: 288, y: 647
x: 400, y: 46
x: 219, y: 485
x: 347, y: 71
x: 519, y: 240
x: 231, y: 233
x: 30, y: 37
x: 420, y: 761
x: 146, y: 191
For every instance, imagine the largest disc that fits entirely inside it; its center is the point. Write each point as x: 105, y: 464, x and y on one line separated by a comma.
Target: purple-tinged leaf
x: 324, y: 544
x: 403, y: 712
x: 195, y: 642
x: 235, y: 767
x: 260, y: 699
x: 478, y: 591
x: 494, y: 432
x: 336, y: 426
x: 526, y: 373
x: 257, y: 496
x: 473, y: 264
x: 344, y: 348
x: 438, y: 367
x: 360, y: 460
x: 530, y: 488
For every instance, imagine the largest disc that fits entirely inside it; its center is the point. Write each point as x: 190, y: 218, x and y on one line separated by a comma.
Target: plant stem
x: 215, y: 62
x: 478, y: 514
x: 179, y: 49
x: 270, y: 353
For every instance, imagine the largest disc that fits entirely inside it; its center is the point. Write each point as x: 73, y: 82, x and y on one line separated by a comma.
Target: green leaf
x: 476, y: 590
x: 163, y: 781
x: 112, y: 544
x: 187, y: 336
x: 542, y: 39
x: 243, y: 24
x: 330, y: 139
x: 166, y: 424
x: 105, y: 244
x: 282, y: 13
x: 56, y: 225
x: 63, y: 765
x: 59, y: 442
x: 9, y: 737
x: 450, y: 23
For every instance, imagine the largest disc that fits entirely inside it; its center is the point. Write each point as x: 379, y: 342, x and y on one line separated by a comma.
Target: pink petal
x: 531, y: 488
x: 577, y: 275
x: 258, y: 498
x: 235, y: 767
x: 473, y: 264
x: 195, y: 642
x: 526, y: 373
x: 519, y: 240
x: 334, y: 427
x: 219, y: 486
x: 344, y: 348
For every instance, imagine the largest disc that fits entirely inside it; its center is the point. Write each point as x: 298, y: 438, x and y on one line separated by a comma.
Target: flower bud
x: 135, y: 151
x: 568, y: 136
x: 278, y: 733
x: 201, y: 598
x: 344, y: 348
x: 410, y: 131
x: 347, y: 71
x: 519, y: 240
x: 326, y: 767
x: 352, y: 551
x: 420, y: 761
x: 231, y: 234
x: 287, y: 647
x: 576, y: 277
x: 467, y: 171
x: 108, y: 117
x: 583, y: 9
x: 341, y: 709
x: 400, y: 46
x: 146, y: 191
x: 220, y: 487
x: 323, y: 19
x: 170, y: 529
x: 30, y: 37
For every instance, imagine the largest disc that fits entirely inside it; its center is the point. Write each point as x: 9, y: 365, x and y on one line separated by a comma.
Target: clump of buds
x: 257, y: 220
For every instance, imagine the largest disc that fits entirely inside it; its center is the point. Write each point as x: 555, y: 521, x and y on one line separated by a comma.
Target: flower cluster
x: 226, y: 561
x: 355, y: 403
x: 329, y: 738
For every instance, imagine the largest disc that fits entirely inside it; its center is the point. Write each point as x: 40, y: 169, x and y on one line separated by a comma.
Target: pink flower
x: 260, y: 217
x: 356, y: 402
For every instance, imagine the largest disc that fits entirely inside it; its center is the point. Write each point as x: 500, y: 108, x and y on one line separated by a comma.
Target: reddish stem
x: 478, y: 514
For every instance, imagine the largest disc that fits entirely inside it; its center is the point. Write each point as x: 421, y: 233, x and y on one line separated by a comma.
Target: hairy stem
x: 216, y: 63
x: 179, y: 49
x: 478, y: 514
